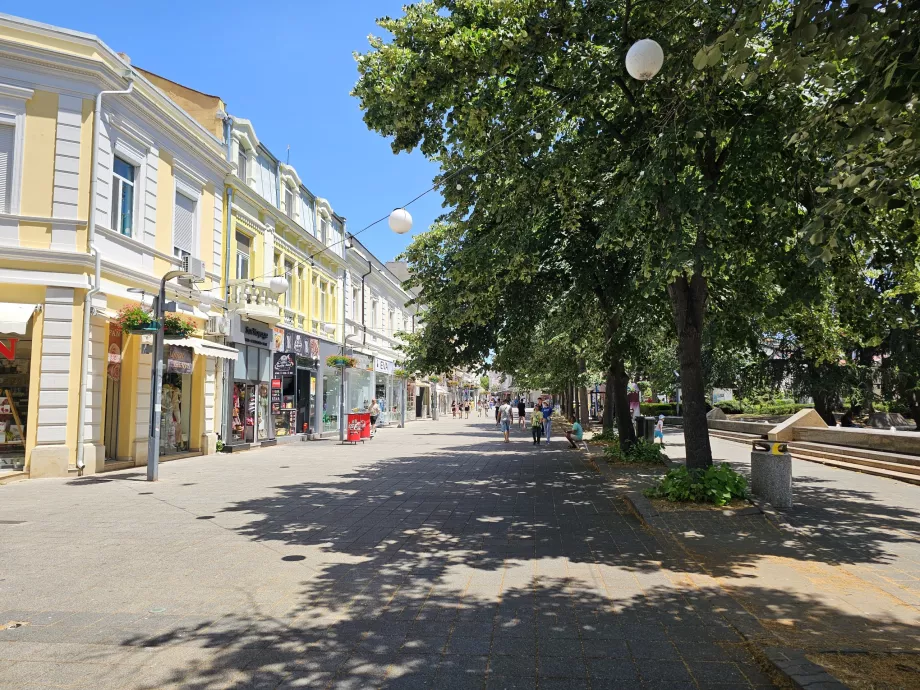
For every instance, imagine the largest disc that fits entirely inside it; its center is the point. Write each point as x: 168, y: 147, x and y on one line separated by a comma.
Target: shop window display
x: 331, y: 388
x: 15, y: 361
x: 175, y: 418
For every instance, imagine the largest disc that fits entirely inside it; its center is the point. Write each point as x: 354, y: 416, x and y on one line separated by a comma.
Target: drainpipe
x: 370, y: 269
x: 226, y: 366
x: 97, y: 276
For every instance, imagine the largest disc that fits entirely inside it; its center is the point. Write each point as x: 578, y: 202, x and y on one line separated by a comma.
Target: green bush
x: 730, y: 406
x: 717, y: 484
x: 655, y: 409
x: 610, y: 436
x: 641, y: 451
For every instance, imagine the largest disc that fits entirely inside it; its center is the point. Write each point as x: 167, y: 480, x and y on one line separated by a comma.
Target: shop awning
x: 204, y: 347
x: 14, y: 317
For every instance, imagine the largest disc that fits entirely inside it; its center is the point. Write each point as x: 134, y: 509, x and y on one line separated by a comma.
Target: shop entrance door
x: 303, y: 400
x: 112, y: 404
x: 418, y: 405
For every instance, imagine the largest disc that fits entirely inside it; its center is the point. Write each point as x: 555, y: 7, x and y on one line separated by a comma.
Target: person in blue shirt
x: 547, y: 418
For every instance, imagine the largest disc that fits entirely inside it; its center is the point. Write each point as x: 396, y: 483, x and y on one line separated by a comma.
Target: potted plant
x: 134, y: 318
x: 400, y: 373
x: 434, y: 379
x: 175, y: 326
x: 340, y: 361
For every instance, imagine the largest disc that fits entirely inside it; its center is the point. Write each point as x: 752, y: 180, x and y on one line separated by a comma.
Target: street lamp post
x: 156, y: 378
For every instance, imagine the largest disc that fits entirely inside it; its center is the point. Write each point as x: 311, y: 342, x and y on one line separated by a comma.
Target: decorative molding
x: 20, y: 92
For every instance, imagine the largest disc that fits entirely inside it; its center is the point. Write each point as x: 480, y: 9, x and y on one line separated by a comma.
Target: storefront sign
x: 249, y: 333
x: 384, y: 366
x: 179, y: 360
x: 297, y: 343
x: 9, y: 351
x: 284, y: 364
x: 276, y: 396
x: 114, y: 366
x: 363, y: 362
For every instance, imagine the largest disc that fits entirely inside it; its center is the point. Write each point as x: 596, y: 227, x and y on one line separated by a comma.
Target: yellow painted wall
x: 38, y: 168
x: 45, y: 41
x: 166, y: 186
x: 196, y: 416
x: 127, y: 412
x: 86, y: 166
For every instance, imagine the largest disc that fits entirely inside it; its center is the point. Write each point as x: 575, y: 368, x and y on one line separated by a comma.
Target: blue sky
x: 287, y: 66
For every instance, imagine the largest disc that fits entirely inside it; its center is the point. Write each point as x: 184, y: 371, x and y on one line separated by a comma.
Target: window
x: 289, y: 276
x: 324, y: 231
x: 243, y: 248
x: 184, y: 226
x: 7, y: 142
x: 323, y: 287
x: 391, y: 321
x: 122, y: 196
x: 242, y: 164
x: 355, y: 302
x: 288, y: 202
x: 406, y: 324
x: 374, y: 305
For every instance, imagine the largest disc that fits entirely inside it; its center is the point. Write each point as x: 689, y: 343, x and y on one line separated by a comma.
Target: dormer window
x: 242, y: 164
x: 289, y: 202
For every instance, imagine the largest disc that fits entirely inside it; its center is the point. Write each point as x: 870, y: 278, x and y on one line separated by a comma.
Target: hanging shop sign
x: 384, y: 366
x: 250, y: 333
x: 285, y: 364
x: 179, y: 360
x: 276, y: 396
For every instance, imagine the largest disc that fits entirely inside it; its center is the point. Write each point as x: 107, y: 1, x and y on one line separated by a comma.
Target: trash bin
x: 366, y: 424
x: 648, y: 431
x: 771, y: 473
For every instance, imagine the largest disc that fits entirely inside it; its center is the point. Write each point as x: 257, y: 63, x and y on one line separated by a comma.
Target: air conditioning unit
x: 194, y: 267
x: 218, y: 325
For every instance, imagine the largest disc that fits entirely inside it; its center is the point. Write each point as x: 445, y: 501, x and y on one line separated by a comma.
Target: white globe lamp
x: 278, y: 285
x: 329, y: 328
x: 400, y: 221
x: 644, y: 59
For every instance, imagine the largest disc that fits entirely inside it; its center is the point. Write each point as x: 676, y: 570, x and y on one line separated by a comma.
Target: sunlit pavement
x: 434, y: 556
x: 843, y: 572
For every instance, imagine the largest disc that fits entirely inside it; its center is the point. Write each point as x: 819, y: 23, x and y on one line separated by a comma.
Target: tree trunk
x: 620, y: 392
x: 688, y: 304
x: 608, y: 417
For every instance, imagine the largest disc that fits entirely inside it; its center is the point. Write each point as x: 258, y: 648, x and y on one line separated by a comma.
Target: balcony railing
x: 255, y: 301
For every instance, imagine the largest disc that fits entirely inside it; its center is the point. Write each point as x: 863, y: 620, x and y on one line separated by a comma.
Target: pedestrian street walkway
x: 431, y: 556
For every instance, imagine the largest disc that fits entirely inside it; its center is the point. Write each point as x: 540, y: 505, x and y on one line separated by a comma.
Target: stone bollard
x: 771, y: 473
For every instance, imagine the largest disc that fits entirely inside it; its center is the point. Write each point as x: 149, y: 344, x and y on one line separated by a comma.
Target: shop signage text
x: 298, y: 343
x: 9, y: 351
x: 250, y: 334
x: 284, y: 364
x: 384, y: 366
x: 180, y: 360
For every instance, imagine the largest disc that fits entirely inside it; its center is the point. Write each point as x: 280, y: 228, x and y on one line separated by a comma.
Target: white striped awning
x: 14, y: 317
x: 200, y: 346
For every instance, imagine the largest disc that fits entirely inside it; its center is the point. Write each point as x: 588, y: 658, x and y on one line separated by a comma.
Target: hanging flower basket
x: 134, y: 318
x: 434, y: 379
x: 400, y: 373
x: 453, y: 382
x: 340, y: 361
x: 175, y: 326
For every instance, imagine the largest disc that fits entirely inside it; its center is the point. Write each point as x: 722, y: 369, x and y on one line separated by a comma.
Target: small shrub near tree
x: 717, y: 484
x: 640, y: 452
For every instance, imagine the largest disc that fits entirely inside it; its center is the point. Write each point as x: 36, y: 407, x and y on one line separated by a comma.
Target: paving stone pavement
x: 845, y: 573
x: 432, y: 556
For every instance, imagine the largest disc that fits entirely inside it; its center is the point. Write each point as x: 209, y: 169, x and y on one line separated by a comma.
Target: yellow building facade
x: 157, y: 204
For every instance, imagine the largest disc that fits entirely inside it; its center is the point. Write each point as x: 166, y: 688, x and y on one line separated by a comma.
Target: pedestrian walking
x: 576, y: 433
x: 536, y: 425
x: 506, y: 414
x: 453, y: 409
x: 466, y: 408
x: 498, y: 413
x: 659, y: 429
x: 547, y: 419
x: 522, y: 412
x: 375, y: 414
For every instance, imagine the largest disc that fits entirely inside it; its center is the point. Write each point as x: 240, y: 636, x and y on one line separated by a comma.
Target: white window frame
x: 236, y: 255
x: 134, y: 184
x: 192, y: 189
x: 290, y: 203
x: 323, y: 288
x: 375, y: 305
x: 13, y: 112
x: 135, y: 152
